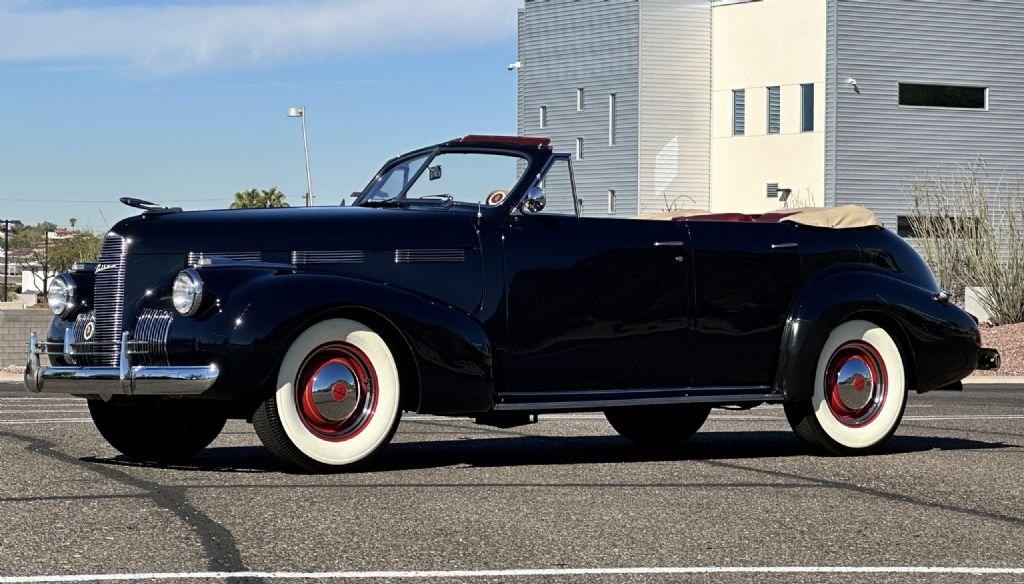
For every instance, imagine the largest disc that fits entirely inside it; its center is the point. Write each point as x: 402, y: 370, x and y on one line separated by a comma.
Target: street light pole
x: 300, y: 112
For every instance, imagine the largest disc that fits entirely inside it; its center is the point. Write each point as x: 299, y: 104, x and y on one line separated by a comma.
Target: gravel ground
x: 1009, y: 339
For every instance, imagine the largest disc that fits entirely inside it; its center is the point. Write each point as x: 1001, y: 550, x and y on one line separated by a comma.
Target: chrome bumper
x: 121, y: 380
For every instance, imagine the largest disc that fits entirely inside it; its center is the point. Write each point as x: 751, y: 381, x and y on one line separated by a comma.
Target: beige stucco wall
x: 756, y: 45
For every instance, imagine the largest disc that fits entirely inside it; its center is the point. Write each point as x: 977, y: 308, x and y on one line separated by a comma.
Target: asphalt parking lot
x: 564, y: 500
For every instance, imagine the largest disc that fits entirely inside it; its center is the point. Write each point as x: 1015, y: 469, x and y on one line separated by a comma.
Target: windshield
x: 462, y: 177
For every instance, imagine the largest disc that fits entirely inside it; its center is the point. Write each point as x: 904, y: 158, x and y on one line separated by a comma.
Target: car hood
x: 302, y: 228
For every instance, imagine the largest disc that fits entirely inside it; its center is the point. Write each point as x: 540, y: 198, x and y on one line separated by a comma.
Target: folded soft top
x: 843, y: 217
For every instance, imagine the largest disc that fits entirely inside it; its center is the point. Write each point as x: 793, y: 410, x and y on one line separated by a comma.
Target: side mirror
x: 535, y: 201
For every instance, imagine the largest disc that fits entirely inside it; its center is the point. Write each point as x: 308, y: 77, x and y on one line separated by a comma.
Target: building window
x: 773, y: 190
x: 951, y: 96
x: 611, y: 200
x: 739, y: 112
x: 579, y: 148
x: 613, y: 107
x: 543, y: 115
x: 774, y: 110
x: 580, y: 101
x: 807, y: 107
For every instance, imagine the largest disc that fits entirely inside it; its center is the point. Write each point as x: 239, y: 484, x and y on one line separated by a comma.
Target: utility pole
x: 46, y: 256
x: 7, y: 252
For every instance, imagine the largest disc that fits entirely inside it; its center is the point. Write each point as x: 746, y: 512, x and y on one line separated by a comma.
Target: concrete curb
x: 994, y: 380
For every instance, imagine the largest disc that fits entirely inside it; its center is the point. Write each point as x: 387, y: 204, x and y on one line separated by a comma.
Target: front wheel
x: 337, y: 398
x: 658, y: 426
x: 157, y: 431
x: 859, y: 395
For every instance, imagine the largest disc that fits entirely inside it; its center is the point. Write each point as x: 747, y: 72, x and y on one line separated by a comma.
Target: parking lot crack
x: 217, y: 542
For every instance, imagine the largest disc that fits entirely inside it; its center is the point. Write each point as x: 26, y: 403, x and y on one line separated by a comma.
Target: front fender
x: 939, y: 342
x: 257, y: 315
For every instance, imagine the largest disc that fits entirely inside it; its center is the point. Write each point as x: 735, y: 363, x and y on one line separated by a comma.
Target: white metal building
x: 723, y: 104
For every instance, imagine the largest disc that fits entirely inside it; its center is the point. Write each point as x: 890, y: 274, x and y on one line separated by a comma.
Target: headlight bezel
x: 65, y: 303
x: 189, y: 285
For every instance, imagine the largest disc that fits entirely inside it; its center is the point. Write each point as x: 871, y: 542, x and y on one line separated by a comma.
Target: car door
x: 595, y: 304
x: 746, y: 276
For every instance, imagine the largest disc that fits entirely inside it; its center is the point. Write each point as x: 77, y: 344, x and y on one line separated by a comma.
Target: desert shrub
x: 970, y: 230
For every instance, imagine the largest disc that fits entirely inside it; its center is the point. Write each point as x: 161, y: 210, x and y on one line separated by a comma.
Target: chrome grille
x: 340, y: 256
x: 412, y: 256
x: 149, y: 340
x: 108, y: 295
x: 78, y: 337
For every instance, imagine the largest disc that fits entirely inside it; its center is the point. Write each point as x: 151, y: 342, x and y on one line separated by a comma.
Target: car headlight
x: 60, y: 295
x: 187, y: 293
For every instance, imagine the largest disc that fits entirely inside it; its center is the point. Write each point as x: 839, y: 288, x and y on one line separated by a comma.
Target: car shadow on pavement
x: 537, y: 450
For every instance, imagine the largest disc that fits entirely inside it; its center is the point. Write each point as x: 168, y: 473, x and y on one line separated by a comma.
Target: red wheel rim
x: 336, y: 391
x: 856, y: 383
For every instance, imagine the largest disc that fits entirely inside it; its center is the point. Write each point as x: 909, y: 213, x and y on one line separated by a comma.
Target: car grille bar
x: 108, y: 295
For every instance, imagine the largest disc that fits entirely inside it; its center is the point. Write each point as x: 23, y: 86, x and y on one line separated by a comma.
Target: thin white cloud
x: 175, y: 37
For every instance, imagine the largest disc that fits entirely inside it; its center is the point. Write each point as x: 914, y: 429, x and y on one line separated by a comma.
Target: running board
x: 600, y: 400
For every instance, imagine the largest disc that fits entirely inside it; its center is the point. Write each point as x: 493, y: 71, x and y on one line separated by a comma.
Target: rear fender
x: 939, y: 342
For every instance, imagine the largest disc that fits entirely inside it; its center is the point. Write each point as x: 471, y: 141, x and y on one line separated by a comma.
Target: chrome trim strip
x: 415, y: 256
x: 121, y: 380
x: 789, y: 245
x: 598, y: 404
x: 196, y: 257
x: 338, y: 256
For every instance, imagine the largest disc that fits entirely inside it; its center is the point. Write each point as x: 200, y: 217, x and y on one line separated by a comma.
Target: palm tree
x: 257, y: 199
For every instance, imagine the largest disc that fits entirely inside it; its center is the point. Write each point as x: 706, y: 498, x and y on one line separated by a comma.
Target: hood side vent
x: 340, y: 256
x: 418, y: 256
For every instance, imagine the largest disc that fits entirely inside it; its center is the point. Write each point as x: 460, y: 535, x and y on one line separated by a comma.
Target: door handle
x: 668, y: 244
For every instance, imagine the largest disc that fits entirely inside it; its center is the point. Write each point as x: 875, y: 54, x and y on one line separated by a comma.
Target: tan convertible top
x: 844, y: 217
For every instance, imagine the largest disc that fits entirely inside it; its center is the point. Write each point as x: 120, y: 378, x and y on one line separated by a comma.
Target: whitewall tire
x: 859, y: 394
x: 337, y: 401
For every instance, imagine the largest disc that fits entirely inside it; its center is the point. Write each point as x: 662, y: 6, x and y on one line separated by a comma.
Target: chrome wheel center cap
x: 336, y: 391
x: 855, y: 384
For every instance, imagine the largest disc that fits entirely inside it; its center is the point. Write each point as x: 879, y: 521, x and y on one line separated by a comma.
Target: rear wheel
x: 337, y: 399
x: 658, y: 426
x: 859, y: 391
x: 157, y: 431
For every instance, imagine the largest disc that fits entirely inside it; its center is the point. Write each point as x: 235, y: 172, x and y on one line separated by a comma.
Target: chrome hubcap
x: 335, y: 391
x: 855, y: 383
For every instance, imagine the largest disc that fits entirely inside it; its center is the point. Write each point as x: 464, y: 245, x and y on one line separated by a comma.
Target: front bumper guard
x: 121, y: 380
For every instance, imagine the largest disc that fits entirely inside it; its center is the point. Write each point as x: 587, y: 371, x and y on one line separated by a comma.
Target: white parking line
x: 521, y: 573
x: 48, y: 421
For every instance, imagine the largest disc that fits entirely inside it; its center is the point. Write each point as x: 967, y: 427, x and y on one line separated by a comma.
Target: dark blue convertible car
x: 463, y: 281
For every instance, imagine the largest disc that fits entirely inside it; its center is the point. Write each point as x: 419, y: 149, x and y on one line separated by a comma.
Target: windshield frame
x: 514, y: 192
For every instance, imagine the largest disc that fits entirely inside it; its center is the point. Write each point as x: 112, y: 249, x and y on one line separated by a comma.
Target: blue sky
x: 185, y: 102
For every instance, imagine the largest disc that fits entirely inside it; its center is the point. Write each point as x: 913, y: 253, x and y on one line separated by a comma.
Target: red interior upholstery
x: 732, y: 217
x: 772, y: 217
x: 775, y: 217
